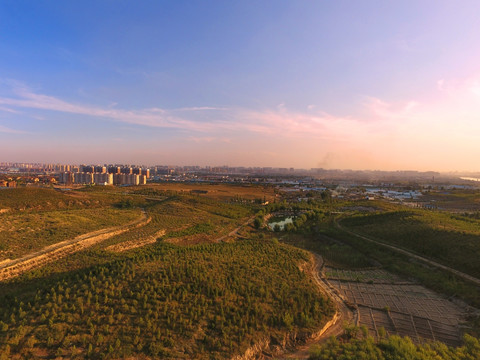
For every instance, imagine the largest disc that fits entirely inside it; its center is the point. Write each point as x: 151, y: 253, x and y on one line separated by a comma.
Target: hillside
x: 204, y: 301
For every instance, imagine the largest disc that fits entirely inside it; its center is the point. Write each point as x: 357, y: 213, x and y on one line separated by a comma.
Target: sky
x: 378, y: 85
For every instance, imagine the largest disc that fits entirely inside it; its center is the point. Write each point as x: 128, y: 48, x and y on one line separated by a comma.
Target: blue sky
x: 335, y: 84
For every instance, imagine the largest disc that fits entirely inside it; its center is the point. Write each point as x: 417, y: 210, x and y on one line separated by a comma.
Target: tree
x: 257, y: 222
x: 326, y: 195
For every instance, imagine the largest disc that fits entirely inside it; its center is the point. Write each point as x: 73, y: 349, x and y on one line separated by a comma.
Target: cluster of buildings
x: 35, y: 168
x: 84, y: 178
x: 105, y: 175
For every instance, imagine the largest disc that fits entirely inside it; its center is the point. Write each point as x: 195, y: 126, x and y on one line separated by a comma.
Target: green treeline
x: 395, y: 348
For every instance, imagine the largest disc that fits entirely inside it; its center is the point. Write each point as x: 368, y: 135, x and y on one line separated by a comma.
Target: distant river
x: 470, y: 179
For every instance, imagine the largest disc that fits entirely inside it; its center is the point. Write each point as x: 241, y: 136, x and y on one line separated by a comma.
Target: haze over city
x: 360, y: 85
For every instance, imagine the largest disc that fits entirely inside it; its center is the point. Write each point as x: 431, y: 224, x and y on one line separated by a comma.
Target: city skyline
x: 368, y: 85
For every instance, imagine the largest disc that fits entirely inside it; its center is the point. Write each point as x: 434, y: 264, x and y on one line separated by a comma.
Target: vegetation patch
x: 207, y: 301
x: 393, y: 348
x: 23, y: 233
x: 450, y: 239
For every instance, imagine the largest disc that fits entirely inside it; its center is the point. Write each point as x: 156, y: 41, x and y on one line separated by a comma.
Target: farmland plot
x: 400, y: 307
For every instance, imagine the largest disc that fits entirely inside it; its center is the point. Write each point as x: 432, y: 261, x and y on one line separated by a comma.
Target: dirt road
x: 12, y: 268
x: 412, y: 255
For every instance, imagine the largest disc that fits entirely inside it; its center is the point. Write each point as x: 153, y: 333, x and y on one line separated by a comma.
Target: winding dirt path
x: 410, y: 254
x: 12, y: 268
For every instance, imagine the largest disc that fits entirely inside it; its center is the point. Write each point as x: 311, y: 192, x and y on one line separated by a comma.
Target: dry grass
x: 220, y: 191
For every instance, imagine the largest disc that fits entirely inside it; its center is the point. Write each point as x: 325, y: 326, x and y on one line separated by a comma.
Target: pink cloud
x: 383, y: 110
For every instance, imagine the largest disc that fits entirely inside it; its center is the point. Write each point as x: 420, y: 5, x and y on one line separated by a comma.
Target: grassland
x: 35, y: 218
x: 219, y: 192
x: 451, y: 239
x: 24, y: 233
x: 335, y: 253
x: 456, y: 200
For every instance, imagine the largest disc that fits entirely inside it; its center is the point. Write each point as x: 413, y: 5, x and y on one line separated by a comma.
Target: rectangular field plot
x: 410, y: 299
x: 417, y: 328
x: 375, y: 276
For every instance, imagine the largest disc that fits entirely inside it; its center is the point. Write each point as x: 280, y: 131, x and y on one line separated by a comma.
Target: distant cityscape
x: 408, y: 187
x: 113, y: 174
x: 349, y: 183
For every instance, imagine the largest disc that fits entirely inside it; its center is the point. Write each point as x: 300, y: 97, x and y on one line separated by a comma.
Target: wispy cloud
x: 219, y: 123
x: 154, y: 117
x: 5, y: 109
x: 4, y: 129
x: 209, y: 139
x: 200, y: 108
x: 279, y: 121
x: 382, y: 110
